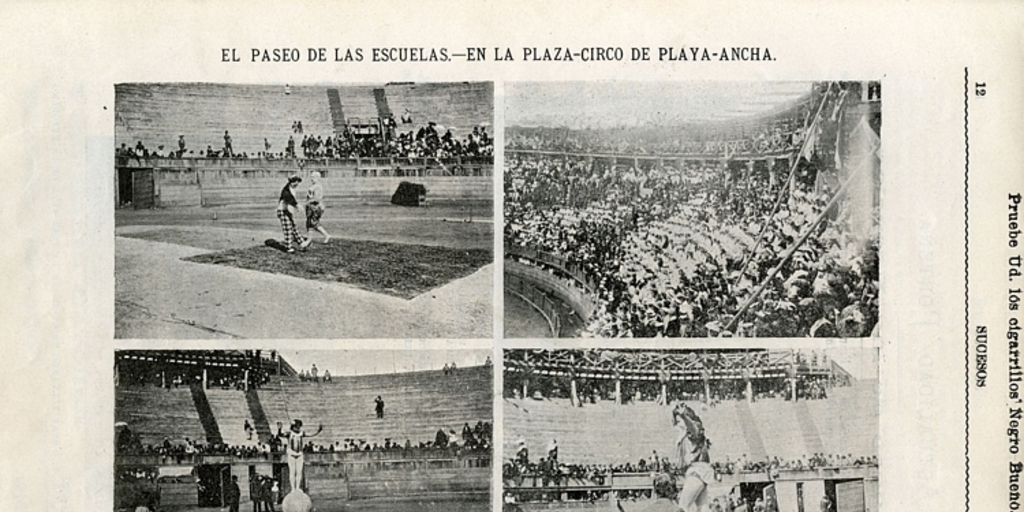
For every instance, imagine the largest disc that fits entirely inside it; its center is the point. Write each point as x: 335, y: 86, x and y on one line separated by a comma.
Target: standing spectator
x: 124, y: 439
x: 379, y: 407
x: 228, y: 152
x: 313, y: 372
x: 390, y: 126
x: 232, y: 494
x: 522, y: 452
x: 181, y: 145
x: 256, y: 491
x: 315, y: 206
x: 826, y: 504
x: 248, y: 430
x: 266, y: 146
x: 759, y: 505
x: 273, y: 494
x: 553, y: 452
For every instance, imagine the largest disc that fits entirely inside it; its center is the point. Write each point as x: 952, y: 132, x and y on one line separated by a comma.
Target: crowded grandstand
x: 189, y: 421
x: 172, y: 137
x: 426, y: 141
x: 595, y: 427
x: 272, y: 122
x: 742, y: 224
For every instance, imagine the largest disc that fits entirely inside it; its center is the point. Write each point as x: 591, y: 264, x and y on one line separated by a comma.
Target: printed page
x: 520, y: 256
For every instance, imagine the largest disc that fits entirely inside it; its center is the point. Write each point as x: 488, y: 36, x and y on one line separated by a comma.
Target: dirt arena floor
x: 522, y: 320
x: 195, y: 273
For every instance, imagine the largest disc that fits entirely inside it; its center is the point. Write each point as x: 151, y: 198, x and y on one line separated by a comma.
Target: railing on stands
x: 531, y: 483
x: 556, y: 261
x: 527, y: 487
x: 453, y: 166
x: 473, y: 458
x: 715, y: 150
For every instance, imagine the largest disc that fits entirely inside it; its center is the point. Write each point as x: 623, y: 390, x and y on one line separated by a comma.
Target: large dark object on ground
x: 270, y: 242
x: 409, y: 194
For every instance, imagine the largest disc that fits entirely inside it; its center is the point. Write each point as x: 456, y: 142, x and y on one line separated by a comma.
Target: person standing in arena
x: 295, y: 456
x: 232, y: 494
x: 287, y: 207
x: 256, y: 491
x: 272, y: 494
x: 315, y: 206
x: 693, y: 449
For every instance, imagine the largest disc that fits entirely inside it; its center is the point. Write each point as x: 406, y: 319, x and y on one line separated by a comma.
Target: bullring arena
x: 788, y: 429
x: 406, y: 171
x: 187, y: 422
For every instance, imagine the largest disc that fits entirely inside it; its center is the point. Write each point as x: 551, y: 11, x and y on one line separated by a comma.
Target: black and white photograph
x: 304, y: 211
x: 692, y: 209
x: 710, y: 430
x: 295, y: 431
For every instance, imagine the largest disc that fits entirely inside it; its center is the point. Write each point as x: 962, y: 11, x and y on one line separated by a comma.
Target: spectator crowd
x: 783, y: 135
x: 472, y: 439
x: 386, y: 140
x: 549, y: 471
x: 674, y: 248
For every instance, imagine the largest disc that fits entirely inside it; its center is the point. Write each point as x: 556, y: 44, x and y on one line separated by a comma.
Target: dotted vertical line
x: 967, y: 327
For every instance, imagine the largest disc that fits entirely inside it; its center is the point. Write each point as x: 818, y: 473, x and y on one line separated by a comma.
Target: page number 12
x: 979, y: 88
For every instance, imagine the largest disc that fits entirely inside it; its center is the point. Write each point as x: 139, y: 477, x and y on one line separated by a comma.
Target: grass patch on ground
x: 201, y: 238
x: 400, y: 270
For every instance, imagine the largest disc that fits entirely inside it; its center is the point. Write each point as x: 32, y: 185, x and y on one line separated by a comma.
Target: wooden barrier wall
x: 211, y: 188
x: 170, y: 182
x: 578, y: 300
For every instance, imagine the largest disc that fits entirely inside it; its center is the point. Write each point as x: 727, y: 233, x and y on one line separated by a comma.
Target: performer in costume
x: 693, y: 449
x: 315, y: 206
x: 295, y: 457
x: 287, y: 208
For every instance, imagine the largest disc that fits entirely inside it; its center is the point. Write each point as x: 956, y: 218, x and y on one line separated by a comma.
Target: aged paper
x: 945, y: 343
